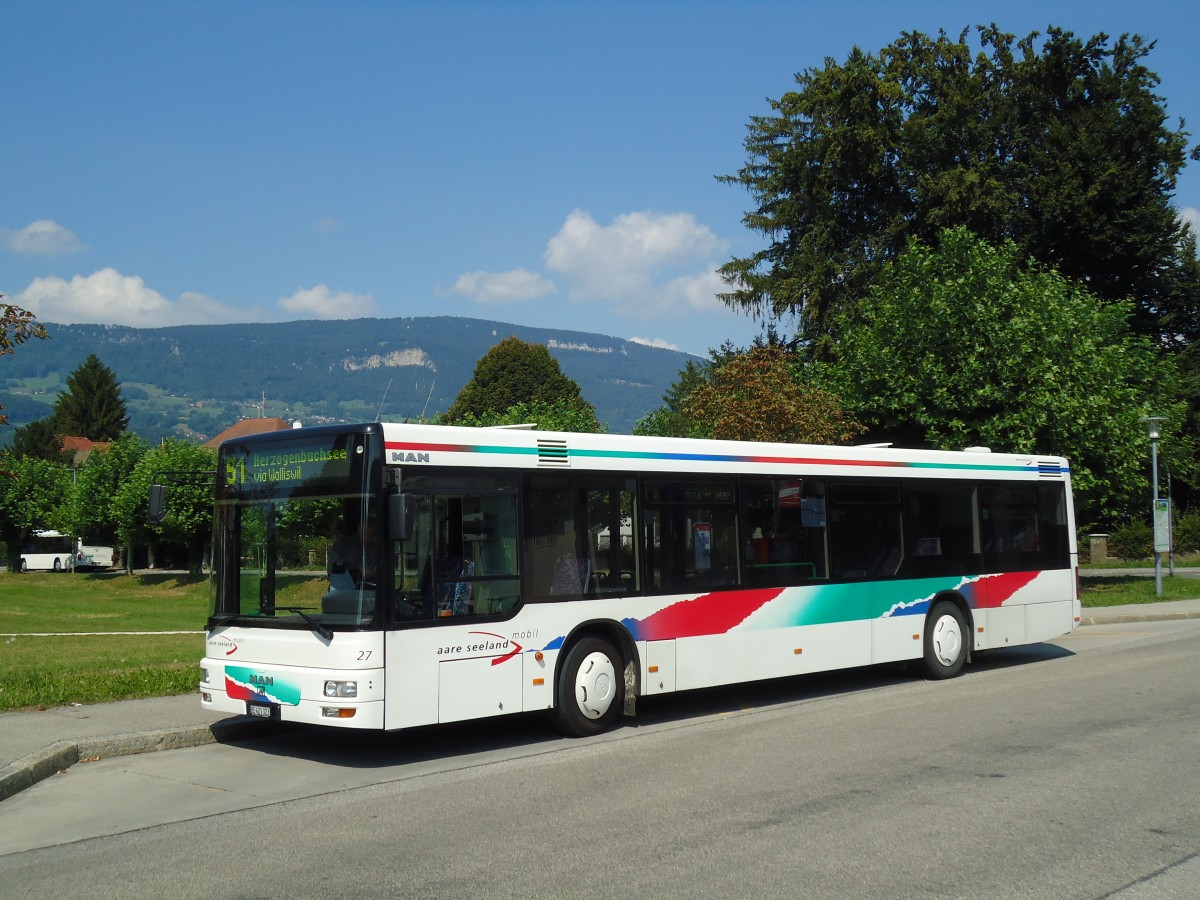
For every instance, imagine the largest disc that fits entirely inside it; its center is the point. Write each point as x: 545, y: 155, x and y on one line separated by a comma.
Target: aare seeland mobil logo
x: 483, y: 644
x: 225, y: 645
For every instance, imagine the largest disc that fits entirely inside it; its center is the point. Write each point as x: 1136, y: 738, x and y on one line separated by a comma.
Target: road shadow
x: 465, y: 741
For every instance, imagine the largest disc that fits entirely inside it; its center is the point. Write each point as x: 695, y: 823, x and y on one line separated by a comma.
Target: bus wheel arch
x: 947, y: 641
x: 595, y: 679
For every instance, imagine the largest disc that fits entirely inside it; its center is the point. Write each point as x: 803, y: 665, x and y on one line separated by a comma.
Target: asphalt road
x: 1062, y: 770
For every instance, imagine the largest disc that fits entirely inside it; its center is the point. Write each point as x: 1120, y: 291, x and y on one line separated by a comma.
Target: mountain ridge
x: 194, y: 381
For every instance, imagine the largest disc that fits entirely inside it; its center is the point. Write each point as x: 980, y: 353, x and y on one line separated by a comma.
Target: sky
x: 536, y: 163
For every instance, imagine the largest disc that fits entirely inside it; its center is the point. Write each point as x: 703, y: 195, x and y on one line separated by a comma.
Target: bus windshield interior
x: 307, y: 560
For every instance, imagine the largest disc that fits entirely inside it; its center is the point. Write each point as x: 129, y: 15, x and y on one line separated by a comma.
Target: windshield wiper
x: 216, y: 621
x: 320, y: 628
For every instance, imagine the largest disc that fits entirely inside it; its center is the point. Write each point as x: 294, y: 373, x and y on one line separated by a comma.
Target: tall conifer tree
x: 92, y: 406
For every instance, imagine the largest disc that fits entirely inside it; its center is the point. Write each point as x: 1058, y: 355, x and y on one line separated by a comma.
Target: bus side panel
x: 658, y: 676
x: 1044, y: 621
x: 896, y: 638
x: 477, y: 688
x: 412, y: 671
x: 1041, y: 609
x: 539, y: 680
x: 749, y: 656
x: 1005, y: 627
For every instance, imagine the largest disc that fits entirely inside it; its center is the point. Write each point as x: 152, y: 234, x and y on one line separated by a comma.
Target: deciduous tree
x: 1057, y: 143
x: 33, y: 495
x: 189, y: 499
x: 511, y: 373
x: 17, y: 326
x: 756, y: 397
x: 557, y: 415
x: 91, y: 513
x: 963, y: 345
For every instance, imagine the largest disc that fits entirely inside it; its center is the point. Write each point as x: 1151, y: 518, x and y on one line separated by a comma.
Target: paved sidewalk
x: 35, y: 745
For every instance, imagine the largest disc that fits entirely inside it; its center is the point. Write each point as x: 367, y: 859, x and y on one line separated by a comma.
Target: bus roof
x: 439, y: 445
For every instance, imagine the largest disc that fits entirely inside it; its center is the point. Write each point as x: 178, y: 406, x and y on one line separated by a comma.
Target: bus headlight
x: 204, y: 675
x: 341, y: 689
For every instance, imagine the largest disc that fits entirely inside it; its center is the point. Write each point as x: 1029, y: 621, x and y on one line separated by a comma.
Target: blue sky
x: 539, y: 163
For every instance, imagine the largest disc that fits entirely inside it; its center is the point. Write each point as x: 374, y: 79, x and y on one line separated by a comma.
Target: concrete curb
x: 29, y: 770
x: 1103, y: 619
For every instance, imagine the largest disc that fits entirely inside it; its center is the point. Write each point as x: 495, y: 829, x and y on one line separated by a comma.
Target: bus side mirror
x: 400, y: 516
x: 158, y: 504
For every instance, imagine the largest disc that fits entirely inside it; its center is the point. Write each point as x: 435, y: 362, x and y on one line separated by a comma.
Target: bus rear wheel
x: 590, y: 688
x: 945, y: 641
x: 57, y: 565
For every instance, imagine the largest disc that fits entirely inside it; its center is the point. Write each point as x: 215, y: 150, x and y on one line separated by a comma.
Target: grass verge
x: 1121, y: 590
x: 59, y: 642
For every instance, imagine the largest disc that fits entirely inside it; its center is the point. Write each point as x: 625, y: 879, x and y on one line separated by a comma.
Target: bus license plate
x: 263, y: 710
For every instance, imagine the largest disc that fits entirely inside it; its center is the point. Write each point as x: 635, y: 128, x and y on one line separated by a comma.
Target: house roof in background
x: 246, y: 427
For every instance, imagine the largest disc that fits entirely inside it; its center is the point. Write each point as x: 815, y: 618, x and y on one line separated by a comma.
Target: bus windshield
x: 299, y: 538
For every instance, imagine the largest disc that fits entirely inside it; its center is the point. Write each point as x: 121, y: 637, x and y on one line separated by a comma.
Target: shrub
x: 1186, y: 533
x: 1132, y: 541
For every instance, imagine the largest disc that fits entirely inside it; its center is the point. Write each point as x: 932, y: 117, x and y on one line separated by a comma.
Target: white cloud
x: 515, y: 286
x: 645, y: 264
x: 107, y: 297
x: 45, y: 237
x: 321, y: 303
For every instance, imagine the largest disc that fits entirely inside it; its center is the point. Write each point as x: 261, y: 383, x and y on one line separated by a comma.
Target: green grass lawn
x: 86, y: 667
x: 1120, y: 590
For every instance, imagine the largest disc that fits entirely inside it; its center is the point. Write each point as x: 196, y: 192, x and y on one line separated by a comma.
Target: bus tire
x: 24, y: 566
x: 590, y: 688
x: 57, y: 565
x: 945, y: 641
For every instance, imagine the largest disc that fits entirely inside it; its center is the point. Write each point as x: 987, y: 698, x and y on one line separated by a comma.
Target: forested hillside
x: 197, y: 380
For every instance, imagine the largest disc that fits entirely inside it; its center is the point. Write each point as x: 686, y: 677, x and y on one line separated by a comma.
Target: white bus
x: 390, y: 575
x: 47, y: 551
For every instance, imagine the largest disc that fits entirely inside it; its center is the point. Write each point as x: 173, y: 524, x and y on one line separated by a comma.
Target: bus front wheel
x: 24, y: 566
x: 590, y: 688
x: 57, y: 565
x: 945, y: 641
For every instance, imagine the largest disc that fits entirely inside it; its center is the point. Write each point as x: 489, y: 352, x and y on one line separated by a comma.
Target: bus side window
x: 865, y: 534
x: 578, y: 535
x: 1011, y: 539
x: 785, y: 531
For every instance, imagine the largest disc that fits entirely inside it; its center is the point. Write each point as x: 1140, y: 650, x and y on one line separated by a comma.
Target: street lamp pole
x: 1152, y: 430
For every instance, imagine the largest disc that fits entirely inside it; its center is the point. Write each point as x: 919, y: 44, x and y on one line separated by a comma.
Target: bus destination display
x: 293, y: 465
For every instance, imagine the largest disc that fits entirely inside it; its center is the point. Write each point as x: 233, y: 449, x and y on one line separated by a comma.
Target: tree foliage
x: 510, y: 373
x: 91, y: 406
x: 962, y: 345
x: 671, y: 419
x: 189, y: 499
x: 756, y: 397
x: 17, y: 326
x: 557, y: 415
x: 92, y: 512
x: 1057, y: 143
x: 40, y: 439
x: 33, y: 495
